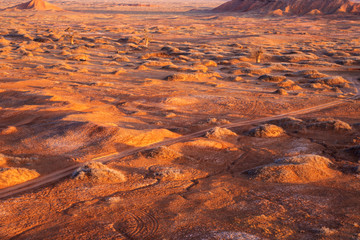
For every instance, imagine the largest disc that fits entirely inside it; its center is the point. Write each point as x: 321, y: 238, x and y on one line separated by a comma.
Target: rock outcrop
x: 37, y: 5
x: 290, y: 7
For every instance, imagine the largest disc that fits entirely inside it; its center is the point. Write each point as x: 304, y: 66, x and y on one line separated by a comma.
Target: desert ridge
x: 290, y: 7
x: 39, y: 5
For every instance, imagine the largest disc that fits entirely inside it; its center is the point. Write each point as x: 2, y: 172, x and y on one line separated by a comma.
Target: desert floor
x: 196, y: 96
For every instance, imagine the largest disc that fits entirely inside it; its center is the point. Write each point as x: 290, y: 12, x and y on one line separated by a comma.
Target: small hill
x: 13, y: 176
x: 297, y: 169
x: 37, y: 5
x: 290, y: 7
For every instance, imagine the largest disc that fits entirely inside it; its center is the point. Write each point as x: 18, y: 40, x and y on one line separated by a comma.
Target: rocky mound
x: 37, y: 5
x: 328, y: 124
x: 266, y: 130
x: 13, y: 176
x: 297, y: 169
x: 290, y: 7
x: 220, y: 133
x: 98, y: 172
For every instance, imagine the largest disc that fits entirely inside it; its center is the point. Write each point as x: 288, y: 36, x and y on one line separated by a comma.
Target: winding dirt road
x: 58, y: 175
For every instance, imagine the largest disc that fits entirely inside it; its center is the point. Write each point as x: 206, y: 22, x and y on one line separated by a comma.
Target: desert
x: 160, y: 119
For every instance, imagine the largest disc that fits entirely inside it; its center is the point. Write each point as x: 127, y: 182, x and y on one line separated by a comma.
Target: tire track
x: 58, y: 175
x: 137, y: 224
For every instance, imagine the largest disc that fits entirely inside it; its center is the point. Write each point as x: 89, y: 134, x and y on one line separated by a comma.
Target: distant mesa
x: 36, y: 5
x: 290, y: 7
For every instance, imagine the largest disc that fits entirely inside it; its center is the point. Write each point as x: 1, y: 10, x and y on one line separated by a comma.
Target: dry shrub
x: 297, y: 169
x: 13, y: 176
x: 267, y: 131
x: 98, y: 172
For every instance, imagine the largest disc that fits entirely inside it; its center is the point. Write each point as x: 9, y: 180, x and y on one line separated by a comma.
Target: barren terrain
x: 134, y: 122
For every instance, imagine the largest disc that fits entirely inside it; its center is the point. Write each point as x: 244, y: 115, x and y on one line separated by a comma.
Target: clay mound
x: 13, y: 176
x: 37, y: 5
x: 297, y: 169
x: 328, y: 124
x: 333, y: 81
x: 267, y: 130
x: 163, y: 153
x: 270, y: 78
x: 98, y: 172
x: 220, y: 133
x: 290, y: 7
x: 289, y: 122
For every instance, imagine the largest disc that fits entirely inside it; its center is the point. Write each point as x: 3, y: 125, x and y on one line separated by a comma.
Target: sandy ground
x: 64, y: 104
